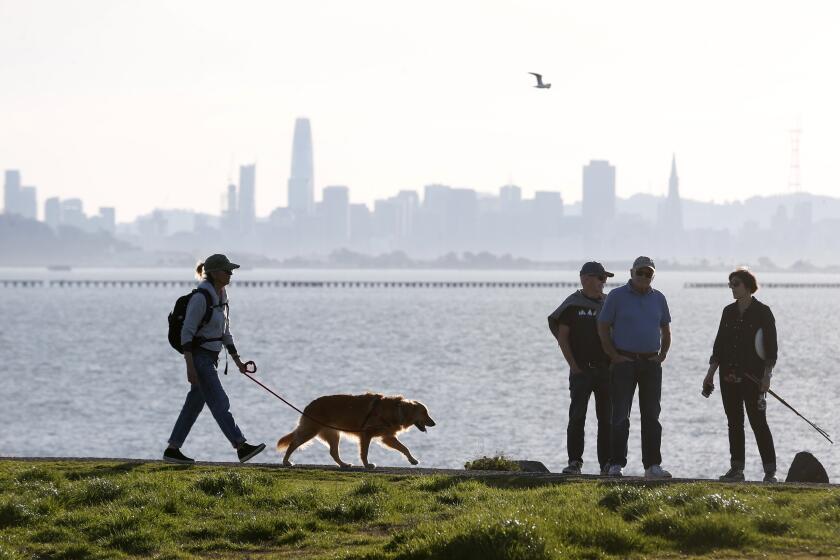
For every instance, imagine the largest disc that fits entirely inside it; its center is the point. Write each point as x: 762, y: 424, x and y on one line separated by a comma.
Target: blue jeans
x: 625, y: 376
x: 208, y: 390
x: 581, y: 387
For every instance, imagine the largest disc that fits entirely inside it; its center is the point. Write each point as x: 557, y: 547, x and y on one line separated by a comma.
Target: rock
x: 806, y: 468
x: 532, y: 466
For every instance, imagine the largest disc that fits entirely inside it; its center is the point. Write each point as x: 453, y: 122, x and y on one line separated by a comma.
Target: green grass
x: 104, y: 510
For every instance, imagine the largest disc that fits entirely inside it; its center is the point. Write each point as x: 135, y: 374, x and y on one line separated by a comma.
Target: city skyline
x: 92, y: 109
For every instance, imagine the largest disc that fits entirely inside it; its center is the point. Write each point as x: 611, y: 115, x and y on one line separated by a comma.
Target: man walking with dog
x: 635, y: 330
x: 574, y: 326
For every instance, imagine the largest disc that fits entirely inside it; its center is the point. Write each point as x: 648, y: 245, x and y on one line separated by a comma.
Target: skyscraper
x: 11, y: 192
x: 336, y: 212
x: 598, y: 192
x: 230, y: 213
x: 302, y: 179
x: 247, y: 199
x: 108, y: 216
x: 28, y: 203
x: 52, y: 212
x: 72, y: 213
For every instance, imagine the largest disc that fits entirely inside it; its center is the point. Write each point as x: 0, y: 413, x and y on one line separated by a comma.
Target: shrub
x: 497, y: 463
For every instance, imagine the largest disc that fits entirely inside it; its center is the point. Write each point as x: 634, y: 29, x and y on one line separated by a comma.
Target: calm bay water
x: 88, y: 371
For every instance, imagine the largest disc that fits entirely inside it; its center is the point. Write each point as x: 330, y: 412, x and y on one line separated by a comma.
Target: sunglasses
x: 600, y: 277
x: 227, y: 272
x: 646, y: 272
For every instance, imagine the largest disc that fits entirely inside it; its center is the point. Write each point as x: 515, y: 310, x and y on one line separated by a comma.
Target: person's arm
x: 195, y: 311
x: 771, y: 343
x: 227, y: 340
x: 665, y: 344
x: 664, y: 330
x: 717, y: 346
x: 563, y: 339
x: 771, y: 348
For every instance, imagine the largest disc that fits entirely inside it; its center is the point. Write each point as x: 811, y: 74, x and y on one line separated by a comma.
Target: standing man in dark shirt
x: 574, y: 326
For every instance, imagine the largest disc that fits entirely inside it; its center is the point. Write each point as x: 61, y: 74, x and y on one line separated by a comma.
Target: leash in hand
x: 251, y: 367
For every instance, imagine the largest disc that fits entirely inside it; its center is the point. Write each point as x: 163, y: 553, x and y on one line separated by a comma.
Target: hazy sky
x: 147, y: 104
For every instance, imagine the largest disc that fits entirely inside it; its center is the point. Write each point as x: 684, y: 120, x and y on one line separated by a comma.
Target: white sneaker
x: 573, y: 468
x: 615, y: 470
x: 656, y: 471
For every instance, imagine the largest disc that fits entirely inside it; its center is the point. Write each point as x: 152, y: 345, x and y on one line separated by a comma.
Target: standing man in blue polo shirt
x: 635, y: 330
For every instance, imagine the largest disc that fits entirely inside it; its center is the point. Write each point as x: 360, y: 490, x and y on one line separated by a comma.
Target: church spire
x: 674, y: 181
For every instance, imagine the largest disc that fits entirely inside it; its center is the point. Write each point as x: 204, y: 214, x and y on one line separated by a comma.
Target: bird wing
x: 539, y: 77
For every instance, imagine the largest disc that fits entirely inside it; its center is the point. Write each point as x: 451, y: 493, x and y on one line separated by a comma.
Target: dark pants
x: 736, y: 397
x: 208, y: 390
x: 624, y: 377
x: 581, y: 387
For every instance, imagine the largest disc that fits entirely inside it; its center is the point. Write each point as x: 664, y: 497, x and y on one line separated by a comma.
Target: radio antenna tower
x: 794, y: 178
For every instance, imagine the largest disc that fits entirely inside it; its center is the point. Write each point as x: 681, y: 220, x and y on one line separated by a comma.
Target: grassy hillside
x: 104, y: 509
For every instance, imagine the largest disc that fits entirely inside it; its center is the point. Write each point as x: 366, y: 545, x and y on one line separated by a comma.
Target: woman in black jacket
x: 744, y: 373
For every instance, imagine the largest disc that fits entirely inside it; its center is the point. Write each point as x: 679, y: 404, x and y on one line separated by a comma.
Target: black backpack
x: 176, y: 318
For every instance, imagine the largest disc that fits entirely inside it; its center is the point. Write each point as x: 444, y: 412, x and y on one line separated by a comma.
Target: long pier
x: 94, y: 283
x: 285, y: 284
x: 766, y: 285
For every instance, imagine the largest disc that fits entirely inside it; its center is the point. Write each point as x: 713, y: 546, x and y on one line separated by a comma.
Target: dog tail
x: 284, y: 441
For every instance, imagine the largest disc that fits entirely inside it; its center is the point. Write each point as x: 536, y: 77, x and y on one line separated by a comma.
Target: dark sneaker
x: 615, y: 471
x: 175, y: 456
x: 733, y: 475
x: 605, y: 470
x: 656, y: 471
x: 573, y: 468
x: 770, y: 477
x: 246, y: 451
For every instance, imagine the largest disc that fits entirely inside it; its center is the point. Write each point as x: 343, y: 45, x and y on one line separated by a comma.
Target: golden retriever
x: 365, y: 417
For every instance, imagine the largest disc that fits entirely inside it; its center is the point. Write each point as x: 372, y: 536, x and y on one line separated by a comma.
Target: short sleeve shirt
x: 583, y: 335
x: 636, y: 319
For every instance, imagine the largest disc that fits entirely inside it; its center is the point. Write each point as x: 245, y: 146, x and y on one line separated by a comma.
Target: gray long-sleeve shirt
x: 218, y: 325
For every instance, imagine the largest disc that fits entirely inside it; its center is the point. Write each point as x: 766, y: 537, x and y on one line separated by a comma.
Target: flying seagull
x: 540, y: 83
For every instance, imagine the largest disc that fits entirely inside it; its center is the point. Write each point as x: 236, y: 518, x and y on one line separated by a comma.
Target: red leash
x: 247, y: 373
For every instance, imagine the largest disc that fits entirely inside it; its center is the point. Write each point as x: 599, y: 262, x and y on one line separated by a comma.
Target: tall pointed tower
x: 671, y: 218
x: 302, y: 179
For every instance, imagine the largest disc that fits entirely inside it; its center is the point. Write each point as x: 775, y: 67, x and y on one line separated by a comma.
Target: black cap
x: 593, y: 267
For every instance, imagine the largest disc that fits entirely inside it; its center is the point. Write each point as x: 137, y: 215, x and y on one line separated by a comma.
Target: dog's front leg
x: 364, y: 446
x: 394, y: 443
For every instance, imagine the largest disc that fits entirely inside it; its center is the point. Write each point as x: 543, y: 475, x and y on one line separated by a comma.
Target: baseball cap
x: 643, y: 262
x: 593, y: 267
x: 218, y: 262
